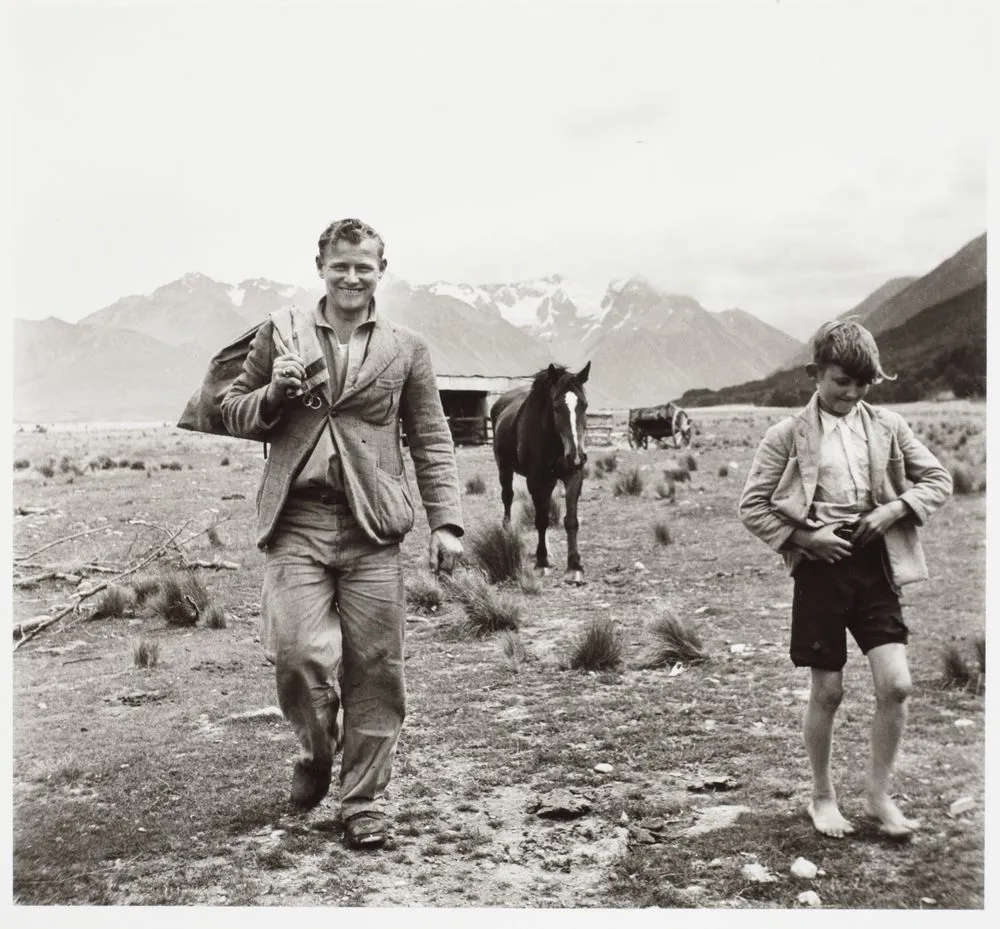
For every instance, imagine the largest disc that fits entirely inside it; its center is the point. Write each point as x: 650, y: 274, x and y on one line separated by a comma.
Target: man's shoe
x: 365, y: 830
x: 309, y: 786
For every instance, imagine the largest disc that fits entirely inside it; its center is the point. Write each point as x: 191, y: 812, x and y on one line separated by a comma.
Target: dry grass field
x: 151, y: 768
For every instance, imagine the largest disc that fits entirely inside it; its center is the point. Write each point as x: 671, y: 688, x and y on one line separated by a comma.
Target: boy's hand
x: 823, y: 543
x: 875, y: 524
x: 287, y: 374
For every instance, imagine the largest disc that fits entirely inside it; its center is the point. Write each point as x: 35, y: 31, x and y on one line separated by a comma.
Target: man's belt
x: 325, y: 495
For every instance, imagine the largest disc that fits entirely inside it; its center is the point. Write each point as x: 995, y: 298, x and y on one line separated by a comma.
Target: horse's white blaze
x: 570, y: 398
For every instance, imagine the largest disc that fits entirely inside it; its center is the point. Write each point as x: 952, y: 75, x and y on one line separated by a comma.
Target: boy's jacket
x: 395, y: 383
x: 779, y: 489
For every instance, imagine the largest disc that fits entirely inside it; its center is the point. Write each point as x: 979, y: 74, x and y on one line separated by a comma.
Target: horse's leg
x: 541, y: 494
x: 506, y: 490
x: 574, y: 569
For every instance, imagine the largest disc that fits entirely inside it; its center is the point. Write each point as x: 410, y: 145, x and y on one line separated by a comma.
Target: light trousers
x: 333, y: 617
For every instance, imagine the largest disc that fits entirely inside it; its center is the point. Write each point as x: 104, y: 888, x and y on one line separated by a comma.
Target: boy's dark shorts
x: 852, y: 594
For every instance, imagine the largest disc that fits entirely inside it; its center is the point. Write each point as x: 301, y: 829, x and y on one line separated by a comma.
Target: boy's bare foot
x: 827, y: 818
x: 890, y: 818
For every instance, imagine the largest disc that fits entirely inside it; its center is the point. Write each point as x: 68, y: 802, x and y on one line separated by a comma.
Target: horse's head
x: 569, y: 410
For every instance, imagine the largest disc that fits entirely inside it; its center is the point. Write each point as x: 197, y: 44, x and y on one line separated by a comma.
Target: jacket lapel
x: 808, y: 439
x: 879, y: 443
x: 382, y: 348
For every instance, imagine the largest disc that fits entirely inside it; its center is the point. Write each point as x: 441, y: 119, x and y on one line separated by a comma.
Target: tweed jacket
x: 395, y: 384
x: 778, y: 495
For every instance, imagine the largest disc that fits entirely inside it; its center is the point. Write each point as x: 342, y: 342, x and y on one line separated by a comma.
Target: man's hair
x: 351, y: 230
x: 848, y: 344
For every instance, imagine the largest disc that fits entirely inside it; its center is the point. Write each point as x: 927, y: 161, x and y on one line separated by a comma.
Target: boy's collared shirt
x: 322, y: 468
x: 843, y: 488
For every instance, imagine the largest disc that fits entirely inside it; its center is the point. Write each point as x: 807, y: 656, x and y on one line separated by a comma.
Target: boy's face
x: 838, y: 392
x: 351, y: 273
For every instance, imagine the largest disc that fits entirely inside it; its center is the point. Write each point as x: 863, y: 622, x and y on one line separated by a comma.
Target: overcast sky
x: 786, y: 158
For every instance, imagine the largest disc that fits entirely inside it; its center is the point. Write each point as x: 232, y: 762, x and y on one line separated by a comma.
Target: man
x: 327, y: 387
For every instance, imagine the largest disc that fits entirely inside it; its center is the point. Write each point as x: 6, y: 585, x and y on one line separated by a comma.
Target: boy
x: 839, y: 491
x: 328, y: 387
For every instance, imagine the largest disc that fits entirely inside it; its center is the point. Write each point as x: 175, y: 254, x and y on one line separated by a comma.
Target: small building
x: 467, y: 400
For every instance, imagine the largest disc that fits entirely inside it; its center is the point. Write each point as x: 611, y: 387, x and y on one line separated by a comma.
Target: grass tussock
x: 674, y: 641
x: 145, y: 654
x: 629, y: 483
x: 606, y: 464
x: 498, y: 551
x: 423, y: 593
x: 144, y: 587
x: 666, y: 490
x: 529, y: 581
x: 214, y: 539
x: 525, y: 514
x: 171, y: 466
x: 599, y: 648
x: 965, y: 480
x: 515, y: 653
x: 475, y: 486
x: 22, y: 464
x: 723, y: 471
x: 487, y: 609
x: 224, y: 462
x: 661, y: 533
x: 138, y: 465
x: 691, y: 462
x: 215, y: 616
x: 958, y: 672
x: 46, y: 470
x: 115, y: 602
x: 181, y: 598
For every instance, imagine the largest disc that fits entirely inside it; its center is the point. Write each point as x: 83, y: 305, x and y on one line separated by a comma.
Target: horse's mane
x: 542, y: 377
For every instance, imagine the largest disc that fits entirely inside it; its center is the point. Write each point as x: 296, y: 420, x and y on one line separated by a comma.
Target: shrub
x: 21, y: 464
x: 499, y: 551
x: 105, y: 462
x: 139, y: 465
x: 475, y: 486
x: 599, y: 648
x: 46, y: 470
x: 115, y: 601
x: 723, y: 471
x: 487, y: 610
x: 629, y: 483
x: 674, y: 641
x: 171, y: 466
x: 145, y: 654
x: 677, y: 474
x: 123, y: 462
x: 214, y: 539
x: 691, y: 462
x: 180, y: 599
x: 666, y: 490
x: 215, y: 618
x: 423, y: 593
x: 661, y: 532
x: 224, y: 463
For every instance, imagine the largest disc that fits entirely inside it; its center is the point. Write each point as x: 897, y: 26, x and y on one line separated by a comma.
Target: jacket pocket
x: 394, y: 507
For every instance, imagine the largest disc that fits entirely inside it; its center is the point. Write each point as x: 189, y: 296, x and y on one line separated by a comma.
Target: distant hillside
x: 942, y: 348
x: 932, y: 331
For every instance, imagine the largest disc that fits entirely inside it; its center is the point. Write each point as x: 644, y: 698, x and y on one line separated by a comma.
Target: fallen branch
x: 216, y: 565
x: 83, y: 595
x: 68, y: 538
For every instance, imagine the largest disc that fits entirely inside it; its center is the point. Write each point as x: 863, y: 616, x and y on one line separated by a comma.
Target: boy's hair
x: 351, y: 230
x: 852, y: 347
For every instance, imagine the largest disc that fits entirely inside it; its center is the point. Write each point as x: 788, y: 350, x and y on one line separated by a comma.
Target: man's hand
x: 823, y: 544
x: 875, y: 524
x: 444, y: 551
x: 287, y: 374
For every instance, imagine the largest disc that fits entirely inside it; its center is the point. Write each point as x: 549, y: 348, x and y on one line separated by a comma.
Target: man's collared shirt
x: 343, y: 361
x: 843, y: 489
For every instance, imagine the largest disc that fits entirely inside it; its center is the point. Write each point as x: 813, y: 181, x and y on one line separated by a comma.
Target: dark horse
x: 539, y: 432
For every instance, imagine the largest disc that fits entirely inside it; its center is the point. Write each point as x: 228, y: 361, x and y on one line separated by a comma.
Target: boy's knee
x: 895, y: 690
x: 827, y: 693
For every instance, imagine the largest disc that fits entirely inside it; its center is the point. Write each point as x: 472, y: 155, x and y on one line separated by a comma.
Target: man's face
x: 351, y: 273
x: 839, y: 393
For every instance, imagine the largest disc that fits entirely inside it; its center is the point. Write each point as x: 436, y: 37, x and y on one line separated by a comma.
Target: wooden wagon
x: 667, y: 421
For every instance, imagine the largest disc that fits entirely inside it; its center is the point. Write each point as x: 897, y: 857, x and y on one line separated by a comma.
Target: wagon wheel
x: 681, y: 428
